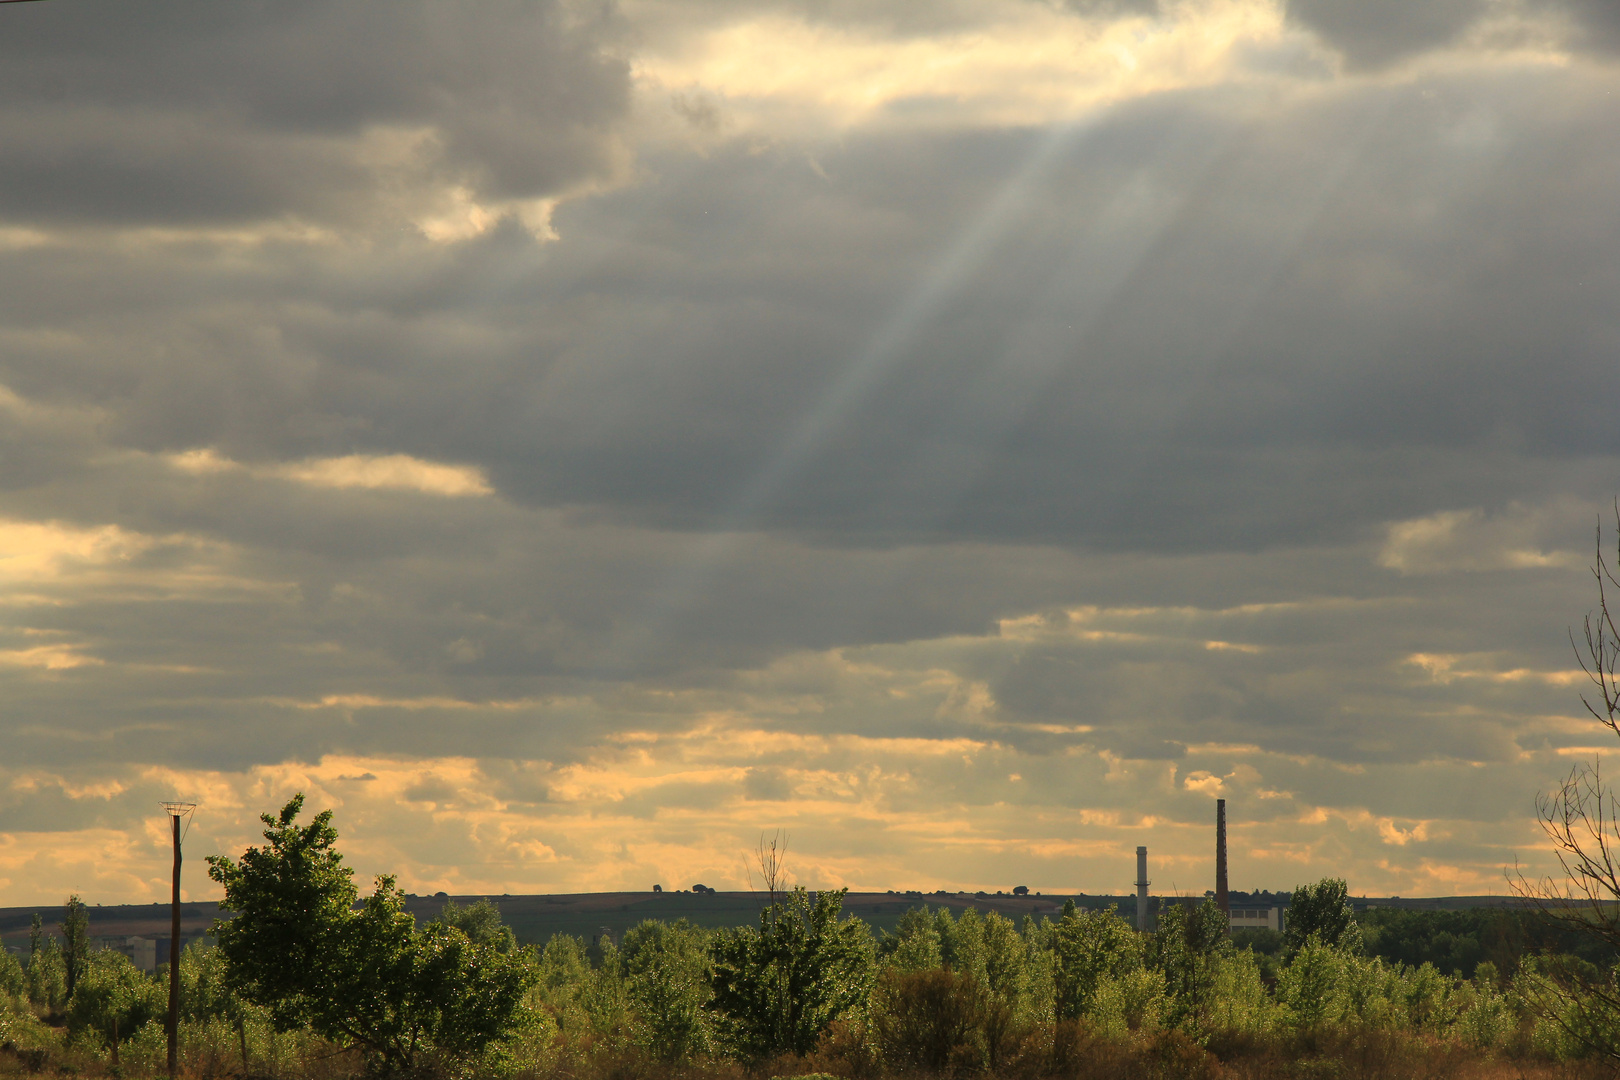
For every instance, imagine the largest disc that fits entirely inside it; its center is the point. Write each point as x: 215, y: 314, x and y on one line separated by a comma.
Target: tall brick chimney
x: 1141, y: 890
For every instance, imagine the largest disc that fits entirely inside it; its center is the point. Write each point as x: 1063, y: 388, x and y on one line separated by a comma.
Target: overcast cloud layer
x: 571, y: 440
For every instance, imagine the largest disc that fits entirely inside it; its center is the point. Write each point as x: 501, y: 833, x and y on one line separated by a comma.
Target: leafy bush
x: 1129, y: 1003
x: 561, y: 974
x: 1089, y: 950
x: 777, y: 989
x: 13, y: 980
x: 1574, y: 1003
x: 1311, y: 988
x: 664, y: 966
x: 1486, y: 1015
x: 915, y: 943
x: 1239, y: 1003
x: 47, y: 976
x: 114, y: 999
x: 1189, y: 944
x: 481, y: 922
x: 1080, y: 995
x: 930, y: 1020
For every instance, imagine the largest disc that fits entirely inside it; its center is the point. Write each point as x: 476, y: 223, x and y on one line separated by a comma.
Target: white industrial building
x: 1251, y: 918
x: 142, y: 951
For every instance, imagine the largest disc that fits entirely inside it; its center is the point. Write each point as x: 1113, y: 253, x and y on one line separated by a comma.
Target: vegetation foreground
x: 310, y: 982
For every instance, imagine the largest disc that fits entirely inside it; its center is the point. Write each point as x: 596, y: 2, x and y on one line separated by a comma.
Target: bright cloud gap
x: 390, y: 472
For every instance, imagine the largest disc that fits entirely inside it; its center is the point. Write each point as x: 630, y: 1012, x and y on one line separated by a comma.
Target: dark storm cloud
x: 1199, y: 323
x: 1600, y: 19
x: 894, y: 18
x: 1374, y: 32
x: 210, y: 112
x: 1185, y: 316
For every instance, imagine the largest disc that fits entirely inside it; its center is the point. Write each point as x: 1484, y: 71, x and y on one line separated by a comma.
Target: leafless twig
x: 771, y: 857
x: 1582, y: 819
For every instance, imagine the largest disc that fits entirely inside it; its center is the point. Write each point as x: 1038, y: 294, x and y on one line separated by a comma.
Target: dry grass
x: 1071, y: 1052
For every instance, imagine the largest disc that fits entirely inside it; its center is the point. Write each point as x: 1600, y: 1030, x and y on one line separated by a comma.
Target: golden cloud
x: 389, y: 472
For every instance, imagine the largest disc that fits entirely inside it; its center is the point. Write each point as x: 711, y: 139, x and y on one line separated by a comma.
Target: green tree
x: 461, y: 996
x: 564, y: 972
x: 1087, y: 949
x: 1324, y: 910
x: 481, y: 922
x: 13, y: 980
x: 664, y: 967
x: 46, y: 976
x: 1454, y: 941
x: 915, y: 943
x: 996, y: 957
x: 75, y: 942
x: 368, y: 978
x: 1003, y: 957
x: 778, y: 988
x: 603, y: 998
x: 952, y: 994
x: 1187, y: 948
x: 42, y: 976
x: 113, y: 998
x: 1310, y: 987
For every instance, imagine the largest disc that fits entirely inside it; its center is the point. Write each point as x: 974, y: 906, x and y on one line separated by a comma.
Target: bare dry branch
x: 771, y: 858
x: 1582, y: 819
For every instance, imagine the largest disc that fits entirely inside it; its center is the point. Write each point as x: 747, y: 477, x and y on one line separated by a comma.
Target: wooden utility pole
x: 176, y: 811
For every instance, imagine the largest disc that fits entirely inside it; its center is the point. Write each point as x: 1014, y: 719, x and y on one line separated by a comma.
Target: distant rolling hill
x: 536, y: 918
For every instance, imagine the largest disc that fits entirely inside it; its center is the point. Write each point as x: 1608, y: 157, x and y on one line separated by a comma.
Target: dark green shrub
x: 1324, y: 910
x: 777, y: 989
x: 928, y: 1021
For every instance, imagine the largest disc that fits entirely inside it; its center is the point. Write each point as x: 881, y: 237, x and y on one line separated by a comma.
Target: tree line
x: 305, y: 969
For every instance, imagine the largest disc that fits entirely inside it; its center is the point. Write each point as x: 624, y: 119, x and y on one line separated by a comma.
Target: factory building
x: 1268, y: 918
x: 1245, y: 915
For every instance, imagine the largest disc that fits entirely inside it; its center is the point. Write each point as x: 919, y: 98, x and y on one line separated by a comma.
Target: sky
x: 573, y: 440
